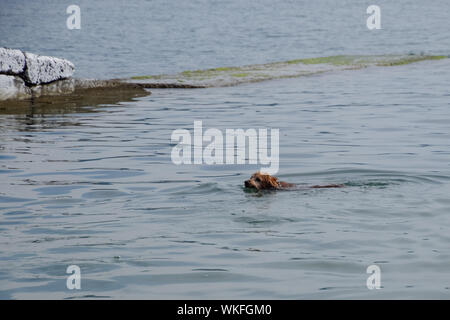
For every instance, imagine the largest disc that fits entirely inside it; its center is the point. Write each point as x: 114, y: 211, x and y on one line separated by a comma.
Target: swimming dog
x: 264, y: 181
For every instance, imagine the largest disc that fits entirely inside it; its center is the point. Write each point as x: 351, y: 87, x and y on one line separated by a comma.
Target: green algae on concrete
x: 410, y: 59
x: 147, y: 77
x: 334, y: 60
x: 367, y: 60
x: 239, y: 75
x: 228, y: 76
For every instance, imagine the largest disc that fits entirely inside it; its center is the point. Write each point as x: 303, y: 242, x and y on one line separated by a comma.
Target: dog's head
x: 262, y: 181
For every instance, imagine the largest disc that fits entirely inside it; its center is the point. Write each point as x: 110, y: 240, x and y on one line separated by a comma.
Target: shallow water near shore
x: 91, y: 182
x: 98, y: 190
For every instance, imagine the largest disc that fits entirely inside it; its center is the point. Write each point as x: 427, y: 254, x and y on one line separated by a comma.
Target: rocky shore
x: 26, y: 77
x: 34, y: 83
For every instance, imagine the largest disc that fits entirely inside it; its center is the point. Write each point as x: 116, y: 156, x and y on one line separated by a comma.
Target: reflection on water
x: 92, y: 184
x: 80, y: 101
x: 39, y: 113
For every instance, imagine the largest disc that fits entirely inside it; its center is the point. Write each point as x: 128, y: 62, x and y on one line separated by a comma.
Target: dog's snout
x: 247, y: 183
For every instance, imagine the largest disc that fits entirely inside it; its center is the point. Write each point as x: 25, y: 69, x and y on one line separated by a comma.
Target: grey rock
x: 56, y: 88
x: 23, y: 75
x: 11, y: 61
x: 13, y: 87
x: 43, y: 69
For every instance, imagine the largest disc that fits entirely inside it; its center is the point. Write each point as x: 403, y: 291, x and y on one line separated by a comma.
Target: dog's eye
x: 257, y: 180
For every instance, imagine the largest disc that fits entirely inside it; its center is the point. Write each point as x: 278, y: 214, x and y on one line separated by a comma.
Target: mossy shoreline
x: 362, y: 60
x: 229, y: 76
x: 94, y: 92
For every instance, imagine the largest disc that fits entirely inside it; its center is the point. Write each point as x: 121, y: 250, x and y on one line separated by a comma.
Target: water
x: 95, y: 186
x: 121, y: 38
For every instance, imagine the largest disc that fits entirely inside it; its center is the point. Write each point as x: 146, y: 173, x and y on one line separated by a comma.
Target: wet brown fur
x: 263, y: 181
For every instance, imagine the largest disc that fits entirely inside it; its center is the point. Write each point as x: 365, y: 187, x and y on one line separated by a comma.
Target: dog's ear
x: 269, y: 182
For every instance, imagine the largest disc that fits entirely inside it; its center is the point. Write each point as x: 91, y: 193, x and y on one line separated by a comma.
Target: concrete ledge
x: 26, y: 75
x: 43, y: 69
x: 12, y: 61
x: 13, y: 87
